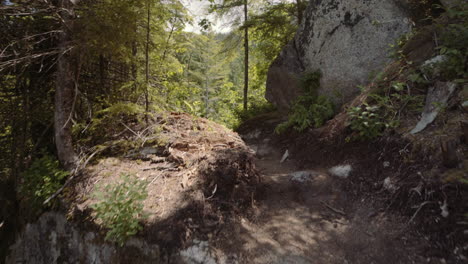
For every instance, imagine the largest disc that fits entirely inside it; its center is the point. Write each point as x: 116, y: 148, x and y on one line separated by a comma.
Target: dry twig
x: 338, y: 211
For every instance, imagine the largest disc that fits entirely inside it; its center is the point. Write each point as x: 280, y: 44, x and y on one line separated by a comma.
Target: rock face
x: 52, y: 239
x: 347, y: 40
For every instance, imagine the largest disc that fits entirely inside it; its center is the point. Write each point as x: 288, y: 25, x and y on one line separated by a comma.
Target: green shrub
x: 321, y: 111
x: 42, y: 180
x: 454, y: 43
x: 367, y: 121
x: 309, y: 109
x: 310, y: 82
x: 120, y: 207
x: 261, y: 107
x: 306, y: 113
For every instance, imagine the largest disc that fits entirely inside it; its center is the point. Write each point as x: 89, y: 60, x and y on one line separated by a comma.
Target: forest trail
x: 312, y: 221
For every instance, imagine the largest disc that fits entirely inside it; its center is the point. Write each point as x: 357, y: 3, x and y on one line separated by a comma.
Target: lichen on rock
x: 346, y: 40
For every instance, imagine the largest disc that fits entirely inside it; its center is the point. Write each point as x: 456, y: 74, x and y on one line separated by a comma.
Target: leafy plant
x: 396, y: 49
x: 367, y: 121
x: 306, y: 112
x: 310, y: 82
x: 120, y: 207
x: 309, y: 109
x: 321, y: 111
x: 254, y: 110
x: 454, y: 43
x: 42, y: 179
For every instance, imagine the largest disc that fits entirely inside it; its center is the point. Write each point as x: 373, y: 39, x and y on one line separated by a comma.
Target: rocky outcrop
x: 197, y: 173
x: 347, y: 40
x: 53, y: 239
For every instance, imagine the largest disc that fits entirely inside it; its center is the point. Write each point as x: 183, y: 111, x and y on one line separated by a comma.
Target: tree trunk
x: 166, y: 48
x: 65, y: 93
x: 134, y: 67
x: 206, y: 95
x: 102, y: 75
x: 299, y: 11
x: 148, y: 28
x: 246, y: 58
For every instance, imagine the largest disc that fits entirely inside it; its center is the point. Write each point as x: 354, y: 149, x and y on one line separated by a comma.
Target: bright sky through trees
x: 199, y: 10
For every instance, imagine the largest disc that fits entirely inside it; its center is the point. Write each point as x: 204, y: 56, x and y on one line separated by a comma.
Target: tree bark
x: 299, y: 11
x: 65, y: 92
x: 246, y: 56
x: 148, y: 34
x: 134, y: 67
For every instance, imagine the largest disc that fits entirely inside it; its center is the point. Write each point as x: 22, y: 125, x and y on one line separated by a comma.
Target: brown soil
x: 197, y: 172
x: 295, y: 222
x: 204, y: 184
x: 404, y: 225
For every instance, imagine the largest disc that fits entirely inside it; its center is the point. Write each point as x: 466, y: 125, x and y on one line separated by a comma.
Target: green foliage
x: 454, y: 43
x: 321, y: 111
x: 108, y: 122
x: 120, y: 207
x: 367, y: 121
x: 309, y: 109
x: 396, y: 49
x: 42, y: 179
x: 255, y: 110
x: 310, y: 82
x: 299, y: 119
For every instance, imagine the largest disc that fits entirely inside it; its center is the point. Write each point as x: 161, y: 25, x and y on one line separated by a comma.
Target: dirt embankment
x: 199, y: 174
x: 393, y: 179
x: 207, y: 204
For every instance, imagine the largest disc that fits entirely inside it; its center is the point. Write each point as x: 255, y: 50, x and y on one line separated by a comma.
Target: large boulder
x: 347, y: 40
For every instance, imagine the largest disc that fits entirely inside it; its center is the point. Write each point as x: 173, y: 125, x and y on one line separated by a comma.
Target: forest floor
x: 304, y: 216
x: 211, y: 200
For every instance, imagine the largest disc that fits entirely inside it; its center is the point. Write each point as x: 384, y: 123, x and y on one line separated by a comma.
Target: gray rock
x: 341, y: 171
x: 252, y: 135
x: 389, y: 185
x: 436, y: 100
x: 433, y: 66
x: 347, y: 40
x: 254, y: 149
x: 285, y: 156
x: 52, y: 239
x: 148, y: 151
x: 199, y: 252
x: 302, y: 176
x: 444, y: 209
x: 264, y: 150
x: 465, y: 105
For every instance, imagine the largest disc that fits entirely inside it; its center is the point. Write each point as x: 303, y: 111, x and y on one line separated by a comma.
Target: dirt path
x: 313, y: 221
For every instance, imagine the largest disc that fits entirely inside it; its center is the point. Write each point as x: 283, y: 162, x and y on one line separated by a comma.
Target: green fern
x: 309, y: 110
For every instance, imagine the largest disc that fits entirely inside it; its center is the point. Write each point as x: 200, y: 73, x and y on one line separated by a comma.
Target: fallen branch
x: 333, y: 209
x: 417, y: 211
x: 80, y: 167
x: 155, y: 178
x: 72, y: 176
x: 213, y: 192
